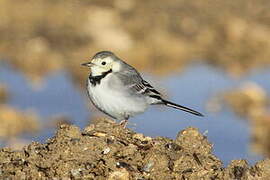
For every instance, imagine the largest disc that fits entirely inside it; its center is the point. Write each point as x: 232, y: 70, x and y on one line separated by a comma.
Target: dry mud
x: 107, y: 151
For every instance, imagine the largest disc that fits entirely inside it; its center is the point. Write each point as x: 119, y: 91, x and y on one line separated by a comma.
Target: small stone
x: 99, y: 134
x: 106, y: 150
x: 89, y: 128
x: 141, y: 137
x: 76, y: 172
x: 122, y: 174
x: 147, y: 168
x: 69, y: 131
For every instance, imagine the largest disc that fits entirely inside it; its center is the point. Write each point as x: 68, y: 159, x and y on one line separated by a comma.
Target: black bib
x: 94, y: 80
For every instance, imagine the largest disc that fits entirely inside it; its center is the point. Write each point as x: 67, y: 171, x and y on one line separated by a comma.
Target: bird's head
x: 102, y: 62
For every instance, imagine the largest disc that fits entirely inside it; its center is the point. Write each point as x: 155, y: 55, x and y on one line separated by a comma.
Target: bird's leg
x: 124, y: 122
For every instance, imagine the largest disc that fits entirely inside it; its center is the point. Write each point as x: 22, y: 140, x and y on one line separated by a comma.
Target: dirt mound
x: 107, y: 151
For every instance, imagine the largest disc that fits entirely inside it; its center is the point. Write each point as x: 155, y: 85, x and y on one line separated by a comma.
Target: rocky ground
x: 107, y: 151
x: 48, y: 36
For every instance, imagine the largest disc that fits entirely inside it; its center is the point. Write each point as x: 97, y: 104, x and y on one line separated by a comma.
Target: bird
x: 118, y: 90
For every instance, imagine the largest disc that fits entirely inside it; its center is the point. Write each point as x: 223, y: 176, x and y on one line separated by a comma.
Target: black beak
x: 88, y: 64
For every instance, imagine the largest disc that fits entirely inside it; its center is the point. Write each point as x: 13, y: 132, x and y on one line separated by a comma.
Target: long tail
x: 183, y: 108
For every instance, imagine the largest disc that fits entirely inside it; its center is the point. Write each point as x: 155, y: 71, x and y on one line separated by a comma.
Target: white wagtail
x: 118, y: 90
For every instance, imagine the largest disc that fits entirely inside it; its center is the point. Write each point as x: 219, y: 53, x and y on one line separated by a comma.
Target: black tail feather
x: 183, y: 108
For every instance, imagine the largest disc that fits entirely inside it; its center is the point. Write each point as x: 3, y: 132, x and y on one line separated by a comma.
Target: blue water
x: 229, y: 134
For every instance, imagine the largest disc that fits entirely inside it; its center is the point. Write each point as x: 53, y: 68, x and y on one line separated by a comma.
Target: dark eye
x: 103, y: 63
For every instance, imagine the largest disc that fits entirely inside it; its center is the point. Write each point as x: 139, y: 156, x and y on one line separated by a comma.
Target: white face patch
x: 96, y: 70
x: 102, y: 65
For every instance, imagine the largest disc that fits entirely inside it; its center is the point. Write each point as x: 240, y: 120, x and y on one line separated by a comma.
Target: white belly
x: 115, y: 101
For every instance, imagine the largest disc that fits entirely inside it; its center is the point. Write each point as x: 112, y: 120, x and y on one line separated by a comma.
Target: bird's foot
x: 123, y: 123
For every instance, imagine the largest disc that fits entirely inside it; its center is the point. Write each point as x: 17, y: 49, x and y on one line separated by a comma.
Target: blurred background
x: 212, y: 56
